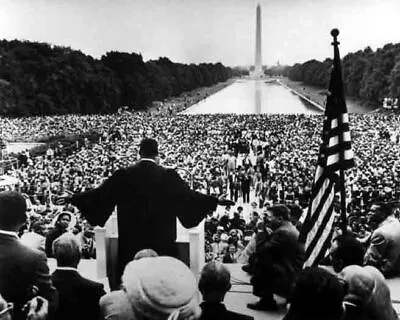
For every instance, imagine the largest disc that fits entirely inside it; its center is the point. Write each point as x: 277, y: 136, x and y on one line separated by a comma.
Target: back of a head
x: 317, y: 294
x: 349, y: 251
x: 145, y: 253
x: 368, y: 289
x: 295, y: 212
x: 12, y: 210
x: 37, y: 227
x: 148, y: 148
x: 215, y: 281
x: 66, y: 250
x: 160, y: 287
x: 280, y: 210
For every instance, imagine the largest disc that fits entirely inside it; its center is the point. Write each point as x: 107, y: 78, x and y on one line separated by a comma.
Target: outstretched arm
x: 193, y: 206
x: 97, y: 204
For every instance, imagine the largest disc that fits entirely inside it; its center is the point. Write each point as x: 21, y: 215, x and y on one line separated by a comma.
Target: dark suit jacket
x: 149, y: 198
x: 78, y: 297
x: 20, y: 269
x: 218, y: 311
x: 278, y: 259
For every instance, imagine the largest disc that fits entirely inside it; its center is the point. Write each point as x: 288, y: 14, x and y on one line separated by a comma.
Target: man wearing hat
x: 148, y: 197
x: 157, y: 288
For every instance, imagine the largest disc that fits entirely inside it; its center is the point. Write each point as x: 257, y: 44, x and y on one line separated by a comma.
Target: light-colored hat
x: 161, y: 288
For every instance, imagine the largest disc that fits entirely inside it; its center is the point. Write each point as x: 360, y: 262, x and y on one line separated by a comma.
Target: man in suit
x: 384, y: 248
x: 214, y: 283
x: 148, y: 197
x: 78, y: 297
x: 278, y: 259
x: 23, y: 271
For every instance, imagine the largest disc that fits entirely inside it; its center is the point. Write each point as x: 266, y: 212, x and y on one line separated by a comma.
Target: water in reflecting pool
x: 252, y: 97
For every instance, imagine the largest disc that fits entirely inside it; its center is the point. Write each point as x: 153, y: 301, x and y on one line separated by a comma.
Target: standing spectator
x: 245, y: 186
x: 21, y: 268
x: 76, y: 293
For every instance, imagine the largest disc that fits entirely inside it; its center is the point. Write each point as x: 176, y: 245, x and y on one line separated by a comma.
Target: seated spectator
x: 295, y: 214
x: 35, y: 239
x: 230, y: 255
x: 61, y: 225
x: 237, y: 222
x: 157, y: 288
x: 23, y: 271
x: 317, y: 294
x: 254, y: 219
x: 368, y: 295
x: 224, y: 221
x: 78, y: 297
x: 214, y: 283
x: 247, y: 256
x: 384, y: 249
x: 87, y: 243
x: 115, y: 305
x: 346, y: 250
x: 277, y: 260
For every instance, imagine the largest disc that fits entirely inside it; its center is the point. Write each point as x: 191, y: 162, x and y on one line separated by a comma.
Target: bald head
x: 12, y: 210
x: 215, y: 281
x: 66, y: 250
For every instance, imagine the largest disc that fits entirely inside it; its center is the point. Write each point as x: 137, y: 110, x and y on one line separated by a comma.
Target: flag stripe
x: 319, y: 203
x: 323, y: 245
x: 321, y: 225
x: 335, y: 154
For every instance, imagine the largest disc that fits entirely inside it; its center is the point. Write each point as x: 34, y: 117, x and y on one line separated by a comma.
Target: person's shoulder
x: 31, y: 257
x: 90, y: 283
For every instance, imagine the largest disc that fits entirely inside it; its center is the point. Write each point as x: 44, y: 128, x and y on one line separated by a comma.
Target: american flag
x: 335, y: 154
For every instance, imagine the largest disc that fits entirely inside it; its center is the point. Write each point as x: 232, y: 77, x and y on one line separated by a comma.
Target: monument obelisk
x: 258, y: 72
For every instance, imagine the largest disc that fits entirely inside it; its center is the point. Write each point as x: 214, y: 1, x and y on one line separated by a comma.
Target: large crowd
x: 253, y: 158
x: 258, y: 161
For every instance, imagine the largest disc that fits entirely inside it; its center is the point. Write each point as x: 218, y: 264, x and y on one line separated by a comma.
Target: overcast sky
x: 204, y: 30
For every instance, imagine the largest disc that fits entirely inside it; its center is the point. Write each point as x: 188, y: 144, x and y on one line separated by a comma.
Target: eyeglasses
x: 9, y: 309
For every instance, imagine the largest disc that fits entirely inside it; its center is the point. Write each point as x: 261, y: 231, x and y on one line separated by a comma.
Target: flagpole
x: 343, y: 213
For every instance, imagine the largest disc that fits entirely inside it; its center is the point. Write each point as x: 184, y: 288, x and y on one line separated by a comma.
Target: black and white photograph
x: 199, y: 160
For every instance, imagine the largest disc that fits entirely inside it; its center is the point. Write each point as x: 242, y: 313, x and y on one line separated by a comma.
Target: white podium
x: 190, y: 245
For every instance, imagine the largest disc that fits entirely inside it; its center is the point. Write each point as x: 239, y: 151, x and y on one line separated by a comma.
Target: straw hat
x: 160, y: 288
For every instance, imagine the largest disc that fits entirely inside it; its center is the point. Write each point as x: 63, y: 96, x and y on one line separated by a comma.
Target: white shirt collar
x: 67, y: 268
x: 148, y: 159
x: 9, y: 233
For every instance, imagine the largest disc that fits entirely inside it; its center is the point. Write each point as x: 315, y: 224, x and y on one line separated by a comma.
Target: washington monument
x: 258, y: 72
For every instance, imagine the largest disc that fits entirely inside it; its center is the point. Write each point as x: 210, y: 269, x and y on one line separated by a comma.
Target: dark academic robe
x: 149, y: 198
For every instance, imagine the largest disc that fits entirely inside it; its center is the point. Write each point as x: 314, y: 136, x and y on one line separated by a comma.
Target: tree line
x: 42, y: 79
x: 368, y: 76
